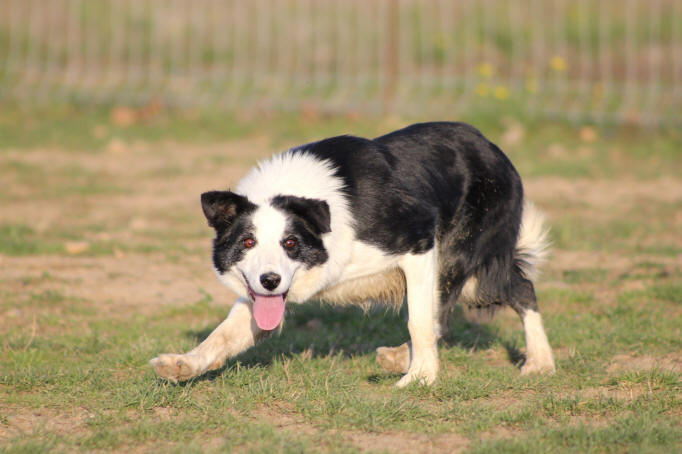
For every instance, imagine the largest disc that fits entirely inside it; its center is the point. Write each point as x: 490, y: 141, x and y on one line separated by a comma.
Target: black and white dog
x: 434, y: 211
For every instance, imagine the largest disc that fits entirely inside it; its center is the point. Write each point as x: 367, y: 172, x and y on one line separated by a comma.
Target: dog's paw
x: 394, y: 359
x: 423, y: 370
x: 423, y: 377
x: 538, y: 368
x: 174, y: 367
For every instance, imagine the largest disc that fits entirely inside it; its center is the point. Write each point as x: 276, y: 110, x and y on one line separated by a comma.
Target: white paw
x: 545, y: 366
x: 175, y: 367
x: 423, y: 370
x: 422, y: 377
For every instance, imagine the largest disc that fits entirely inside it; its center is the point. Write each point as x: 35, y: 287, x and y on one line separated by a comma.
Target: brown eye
x: 249, y: 243
x: 290, y: 243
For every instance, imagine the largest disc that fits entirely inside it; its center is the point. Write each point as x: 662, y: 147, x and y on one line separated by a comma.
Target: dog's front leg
x: 420, y: 275
x: 234, y: 335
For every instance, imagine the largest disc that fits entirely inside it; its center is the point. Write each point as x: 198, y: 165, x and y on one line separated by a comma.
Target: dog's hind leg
x: 539, y: 356
x: 234, y: 335
x: 422, y: 297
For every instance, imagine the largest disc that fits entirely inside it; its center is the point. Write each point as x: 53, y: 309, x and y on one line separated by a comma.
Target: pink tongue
x: 268, y: 311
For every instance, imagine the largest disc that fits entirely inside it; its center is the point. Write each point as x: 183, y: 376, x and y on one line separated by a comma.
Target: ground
x: 104, y: 263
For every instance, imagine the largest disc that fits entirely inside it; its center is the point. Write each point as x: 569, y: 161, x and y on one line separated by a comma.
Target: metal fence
x: 606, y: 59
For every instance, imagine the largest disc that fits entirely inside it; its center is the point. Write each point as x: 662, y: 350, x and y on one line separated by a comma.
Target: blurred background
x: 611, y: 60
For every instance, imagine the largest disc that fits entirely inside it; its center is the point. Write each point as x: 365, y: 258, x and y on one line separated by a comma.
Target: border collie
x: 433, y: 212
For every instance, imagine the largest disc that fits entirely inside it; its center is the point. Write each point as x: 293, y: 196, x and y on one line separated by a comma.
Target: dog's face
x: 259, y: 248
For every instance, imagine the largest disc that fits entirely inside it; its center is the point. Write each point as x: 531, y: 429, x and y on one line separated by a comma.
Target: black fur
x: 222, y: 207
x: 227, y: 213
x: 444, y: 182
x: 309, y: 248
x: 315, y: 213
x: 386, y: 212
x: 307, y: 220
x: 228, y: 245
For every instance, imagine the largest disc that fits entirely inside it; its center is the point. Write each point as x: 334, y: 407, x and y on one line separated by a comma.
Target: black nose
x: 270, y: 280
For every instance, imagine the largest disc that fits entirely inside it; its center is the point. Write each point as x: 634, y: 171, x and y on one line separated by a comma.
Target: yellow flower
x: 558, y: 63
x: 482, y: 90
x: 485, y: 70
x: 501, y: 92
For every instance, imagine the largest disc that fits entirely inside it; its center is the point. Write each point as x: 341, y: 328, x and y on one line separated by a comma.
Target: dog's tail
x: 533, y: 244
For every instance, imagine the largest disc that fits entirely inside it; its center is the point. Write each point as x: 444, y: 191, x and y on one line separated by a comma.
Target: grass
x: 95, y: 281
x: 326, y: 380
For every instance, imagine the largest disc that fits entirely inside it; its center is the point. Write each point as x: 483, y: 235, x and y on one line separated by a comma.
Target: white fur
x: 533, y: 242
x: 539, y: 356
x: 298, y: 174
x: 422, y: 296
x: 303, y: 175
x: 364, y: 260
x: 267, y: 256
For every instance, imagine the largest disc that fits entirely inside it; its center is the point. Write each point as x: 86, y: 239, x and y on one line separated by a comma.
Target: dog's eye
x: 249, y: 243
x: 290, y: 243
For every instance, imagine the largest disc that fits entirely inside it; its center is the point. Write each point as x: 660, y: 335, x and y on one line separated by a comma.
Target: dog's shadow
x: 319, y: 330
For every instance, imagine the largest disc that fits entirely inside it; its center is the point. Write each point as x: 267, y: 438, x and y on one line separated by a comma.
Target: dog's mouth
x: 268, y: 310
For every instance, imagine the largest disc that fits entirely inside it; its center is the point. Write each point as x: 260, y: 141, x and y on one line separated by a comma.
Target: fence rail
x: 610, y: 59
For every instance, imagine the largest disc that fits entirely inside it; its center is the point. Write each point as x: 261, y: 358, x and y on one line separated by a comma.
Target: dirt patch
x: 630, y: 393
x: 602, y: 193
x: 281, y: 414
x: 150, y: 184
x: 634, y: 362
x: 508, y: 400
x: 107, y: 286
x: 139, y: 283
x: 408, y: 442
x: 391, y: 441
x: 500, y: 433
x: 618, y: 264
x: 18, y: 421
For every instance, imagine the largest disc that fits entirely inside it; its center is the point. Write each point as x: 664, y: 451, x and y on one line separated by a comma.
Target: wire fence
x: 605, y: 60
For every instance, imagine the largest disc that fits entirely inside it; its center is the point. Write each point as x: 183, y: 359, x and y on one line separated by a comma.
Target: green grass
x: 73, y: 356
x: 20, y: 239
x: 75, y: 128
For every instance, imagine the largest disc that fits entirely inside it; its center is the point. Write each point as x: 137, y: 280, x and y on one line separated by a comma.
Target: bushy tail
x: 533, y: 244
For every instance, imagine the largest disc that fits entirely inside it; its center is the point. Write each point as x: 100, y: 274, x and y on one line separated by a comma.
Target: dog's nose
x: 270, y: 280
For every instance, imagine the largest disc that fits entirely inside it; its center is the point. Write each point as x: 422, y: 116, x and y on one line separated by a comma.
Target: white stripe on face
x: 268, y: 255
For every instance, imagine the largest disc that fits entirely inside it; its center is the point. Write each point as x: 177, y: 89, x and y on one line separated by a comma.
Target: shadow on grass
x: 320, y: 330
x: 478, y: 335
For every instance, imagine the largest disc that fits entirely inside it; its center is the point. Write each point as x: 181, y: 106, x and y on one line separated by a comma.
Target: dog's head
x: 259, y: 248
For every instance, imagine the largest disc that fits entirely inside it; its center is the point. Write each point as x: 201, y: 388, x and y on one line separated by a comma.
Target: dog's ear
x: 315, y: 213
x: 222, y: 207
